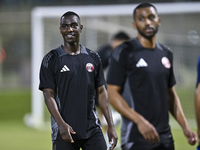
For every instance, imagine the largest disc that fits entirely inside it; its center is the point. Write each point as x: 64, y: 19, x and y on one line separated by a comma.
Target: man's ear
x: 81, y: 26
x: 159, y: 22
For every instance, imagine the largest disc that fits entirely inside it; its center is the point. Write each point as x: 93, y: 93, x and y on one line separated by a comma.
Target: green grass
x: 14, y: 104
x: 14, y: 135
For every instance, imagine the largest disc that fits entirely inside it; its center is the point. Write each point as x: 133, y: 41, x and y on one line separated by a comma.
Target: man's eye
x: 151, y: 17
x: 64, y: 26
x: 141, y: 18
x: 74, y: 25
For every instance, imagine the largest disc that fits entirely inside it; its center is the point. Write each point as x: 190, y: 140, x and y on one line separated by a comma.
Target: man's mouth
x: 69, y: 35
x: 148, y: 29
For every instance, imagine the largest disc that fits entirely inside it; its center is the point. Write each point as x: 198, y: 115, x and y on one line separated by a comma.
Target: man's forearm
x: 105, y: 107
x: 52, y: 106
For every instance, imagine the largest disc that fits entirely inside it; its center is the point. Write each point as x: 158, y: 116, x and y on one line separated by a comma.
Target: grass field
x: 14, y: 135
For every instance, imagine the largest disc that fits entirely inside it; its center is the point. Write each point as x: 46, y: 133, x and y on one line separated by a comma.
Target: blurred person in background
x: 141, y: 87
x: 105, y: 52
x: 197, y: 102
x: 71, y: 78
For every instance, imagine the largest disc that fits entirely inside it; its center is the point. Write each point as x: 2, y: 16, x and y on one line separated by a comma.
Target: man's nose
x: 147, y: 21
x: 69, y: 28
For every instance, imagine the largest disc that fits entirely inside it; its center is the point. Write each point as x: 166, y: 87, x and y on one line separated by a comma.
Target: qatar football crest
x: 166, y: 63
x: 89, y: 67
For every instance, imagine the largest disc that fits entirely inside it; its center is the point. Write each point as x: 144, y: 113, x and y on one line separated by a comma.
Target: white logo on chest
x: 89, y: 67
x: 166, y: 63
x: 141, y: 63
x: 65, y: 68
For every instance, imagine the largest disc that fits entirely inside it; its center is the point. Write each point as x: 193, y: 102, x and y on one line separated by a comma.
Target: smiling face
x: 146, y: 21
x: 70, y: 28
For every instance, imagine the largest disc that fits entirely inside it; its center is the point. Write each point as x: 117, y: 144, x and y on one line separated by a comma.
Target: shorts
x: 95, y: 142
x: 166, y: 143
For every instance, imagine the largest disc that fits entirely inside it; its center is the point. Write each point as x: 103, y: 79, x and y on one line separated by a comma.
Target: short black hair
x: 70, y: 13
x: 121, y: 35
x: 143, y: 5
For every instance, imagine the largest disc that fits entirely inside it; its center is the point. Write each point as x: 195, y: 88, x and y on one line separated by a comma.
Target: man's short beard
x: 149, y: 36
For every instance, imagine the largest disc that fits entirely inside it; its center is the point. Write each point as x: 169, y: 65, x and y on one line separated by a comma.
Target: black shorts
x: 166, y: 143
x: 96, y: 142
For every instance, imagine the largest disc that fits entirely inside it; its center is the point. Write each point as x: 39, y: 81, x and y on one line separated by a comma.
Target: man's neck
x: 72, y: 48
x: 147, y: 43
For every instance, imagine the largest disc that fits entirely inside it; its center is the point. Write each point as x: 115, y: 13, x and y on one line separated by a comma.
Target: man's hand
x: 112, y: 136
x: 190, y: 135
x: 66, y: 131
x: 148, y: 131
